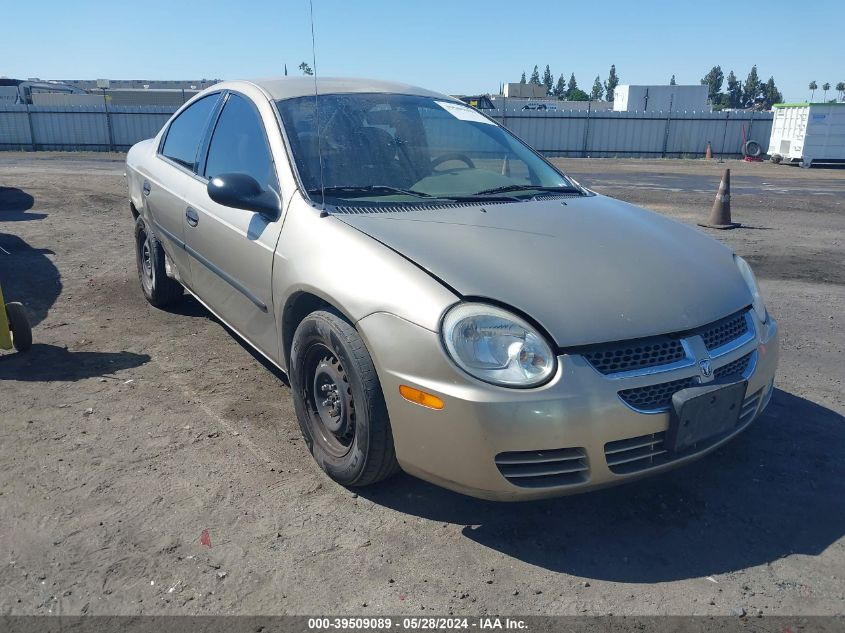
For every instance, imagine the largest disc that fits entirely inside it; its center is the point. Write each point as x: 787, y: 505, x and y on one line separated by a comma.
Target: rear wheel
x: 159, y: 289
x: 339, y: 402
x: 19, y: 326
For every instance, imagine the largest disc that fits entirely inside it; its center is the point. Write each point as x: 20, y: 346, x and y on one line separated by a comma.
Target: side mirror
x: 241, y: 191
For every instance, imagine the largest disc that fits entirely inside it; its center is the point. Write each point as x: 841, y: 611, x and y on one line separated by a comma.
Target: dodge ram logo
x: 705, y: 368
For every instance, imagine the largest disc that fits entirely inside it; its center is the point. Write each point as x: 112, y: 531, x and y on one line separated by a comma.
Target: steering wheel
x: 463, y: 158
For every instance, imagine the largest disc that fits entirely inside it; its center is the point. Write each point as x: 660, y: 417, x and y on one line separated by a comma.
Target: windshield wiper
x: 474, y: 197
x: 511, y: 188
x: 368, y: 190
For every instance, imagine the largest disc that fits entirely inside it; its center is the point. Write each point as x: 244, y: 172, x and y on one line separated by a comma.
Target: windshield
x: 390, y: 148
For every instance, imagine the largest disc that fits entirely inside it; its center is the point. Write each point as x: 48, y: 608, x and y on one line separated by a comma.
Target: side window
x: 186, y: 132
x: 239, y: 144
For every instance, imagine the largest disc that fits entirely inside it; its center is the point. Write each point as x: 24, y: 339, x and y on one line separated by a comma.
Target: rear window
x: 186, y: 132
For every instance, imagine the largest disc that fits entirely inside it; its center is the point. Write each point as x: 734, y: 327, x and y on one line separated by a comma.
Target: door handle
x: 191, y: 216
x: 146, y: 188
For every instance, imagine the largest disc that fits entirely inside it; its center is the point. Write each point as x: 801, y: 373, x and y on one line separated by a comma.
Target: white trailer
x: 808, y: 133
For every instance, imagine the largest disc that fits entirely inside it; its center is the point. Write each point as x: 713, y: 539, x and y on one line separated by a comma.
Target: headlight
x: 496, y: 346
x: 756, y: 298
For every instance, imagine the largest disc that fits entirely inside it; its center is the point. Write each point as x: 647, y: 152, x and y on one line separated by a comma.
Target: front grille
x: 635, y: 454
x: 638, y: 354
x: 735, y: 369
x: 613, y: 358
x: 724, y: 331
x: 542, y: 469
x: 654, y: 397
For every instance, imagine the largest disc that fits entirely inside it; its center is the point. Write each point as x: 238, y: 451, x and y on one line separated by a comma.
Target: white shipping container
x: 808, y: 133
x: 660, y: 99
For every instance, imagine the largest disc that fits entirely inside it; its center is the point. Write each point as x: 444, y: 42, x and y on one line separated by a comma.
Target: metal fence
x: 606, y: 134
x: 94, y: 127
x: 562, y: 133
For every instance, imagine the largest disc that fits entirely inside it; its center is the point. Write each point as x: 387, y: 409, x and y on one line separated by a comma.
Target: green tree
x: 576, y: 94
x: 734, y: 91
x: 840, y: 88
x: 522, y: 79
x: 611, y: 83
x: 751, y: 89
x: 771, y: 94
x: 548, y: 80
x: 306, y: 69
x: 571, y: 86
x: 598, y: 90
x: 672, y: 81
x: 535, y: 77
x: 560, y: 88
x: 813, y: 87
x: 825, y: 87
x: 713, y: 80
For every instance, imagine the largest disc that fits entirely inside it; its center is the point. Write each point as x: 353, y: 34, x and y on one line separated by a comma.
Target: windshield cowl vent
x: 442, y: 206
x: 404, y: 208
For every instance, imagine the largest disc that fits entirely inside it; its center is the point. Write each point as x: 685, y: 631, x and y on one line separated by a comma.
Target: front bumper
x: 577, y: 421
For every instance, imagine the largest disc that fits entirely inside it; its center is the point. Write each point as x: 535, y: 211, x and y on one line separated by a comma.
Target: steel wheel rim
x: 147, y: 260
x: 328, y: 396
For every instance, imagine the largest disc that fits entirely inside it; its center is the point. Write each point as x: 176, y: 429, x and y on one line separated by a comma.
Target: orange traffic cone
x: 708, y: 154
x: 720, y: 214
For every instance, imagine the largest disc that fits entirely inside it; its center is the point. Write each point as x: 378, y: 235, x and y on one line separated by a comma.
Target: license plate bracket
x: 702, y: 412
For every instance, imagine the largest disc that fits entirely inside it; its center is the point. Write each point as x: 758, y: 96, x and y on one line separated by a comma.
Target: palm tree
x: 840, y: 88
x: 813, y: 86
x: 825, y: 87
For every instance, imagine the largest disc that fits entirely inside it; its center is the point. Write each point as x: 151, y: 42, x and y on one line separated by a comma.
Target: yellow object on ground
x: 5, y: 333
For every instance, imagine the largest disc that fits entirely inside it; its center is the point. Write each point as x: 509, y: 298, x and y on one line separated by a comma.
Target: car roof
x: 291, y: 87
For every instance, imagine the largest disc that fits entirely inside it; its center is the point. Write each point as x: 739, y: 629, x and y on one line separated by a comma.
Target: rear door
x: 232, y: 249
x: 167, y: 187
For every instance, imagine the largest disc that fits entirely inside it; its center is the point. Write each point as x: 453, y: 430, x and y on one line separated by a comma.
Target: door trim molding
x: 232, y: 281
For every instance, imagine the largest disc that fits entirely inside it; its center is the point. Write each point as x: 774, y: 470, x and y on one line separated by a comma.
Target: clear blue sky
x: 454, y: 46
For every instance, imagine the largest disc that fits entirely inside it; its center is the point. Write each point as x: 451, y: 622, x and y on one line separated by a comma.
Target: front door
x: 232, y: 249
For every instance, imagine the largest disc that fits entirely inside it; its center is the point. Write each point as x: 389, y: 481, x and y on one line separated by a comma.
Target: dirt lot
x: 128, y: 431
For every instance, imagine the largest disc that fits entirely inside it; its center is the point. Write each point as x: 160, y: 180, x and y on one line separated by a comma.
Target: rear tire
x: 159, y: 289
x: 19, y: 326
x: 339, y: 401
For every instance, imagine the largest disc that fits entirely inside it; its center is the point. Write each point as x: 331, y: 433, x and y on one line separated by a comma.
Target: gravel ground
x: 130, y: 433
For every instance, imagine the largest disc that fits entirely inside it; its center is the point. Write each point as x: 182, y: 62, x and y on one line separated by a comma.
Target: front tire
x: 339, y: 402
x: 159, y: 289
x: 19, y: 326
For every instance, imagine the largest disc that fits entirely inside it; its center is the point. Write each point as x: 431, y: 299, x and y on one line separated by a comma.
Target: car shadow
x: 14, y: 204
x: 44, y: 363
x: 775, y: 490
x: 28, y: 275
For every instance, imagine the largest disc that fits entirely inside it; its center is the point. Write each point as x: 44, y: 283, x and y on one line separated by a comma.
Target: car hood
x: 588, y: 270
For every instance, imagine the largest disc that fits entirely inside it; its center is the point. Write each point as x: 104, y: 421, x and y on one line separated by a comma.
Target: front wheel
x: 339, y: 402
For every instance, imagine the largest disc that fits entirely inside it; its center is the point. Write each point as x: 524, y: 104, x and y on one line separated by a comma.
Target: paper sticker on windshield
x: 464, y: 113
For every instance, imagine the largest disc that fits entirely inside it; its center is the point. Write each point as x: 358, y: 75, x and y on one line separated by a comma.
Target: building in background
x: 23, y: 90
x: 629, y: 98
x: 144, y: 84
x: 93, y: 91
